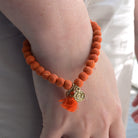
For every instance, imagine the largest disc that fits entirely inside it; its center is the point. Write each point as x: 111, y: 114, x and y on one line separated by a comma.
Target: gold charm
x: 78, y: 95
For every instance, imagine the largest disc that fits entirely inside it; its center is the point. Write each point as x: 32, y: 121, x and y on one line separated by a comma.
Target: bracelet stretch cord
x: 74, y: 94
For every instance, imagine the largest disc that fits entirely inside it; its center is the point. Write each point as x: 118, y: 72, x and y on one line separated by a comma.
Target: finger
x: 135, y: 102
x: 134, y: 113
x: 117, y: 130
x: 136, y: 118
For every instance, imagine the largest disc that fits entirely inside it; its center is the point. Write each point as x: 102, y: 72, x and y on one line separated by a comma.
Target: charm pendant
x: 76, y: 92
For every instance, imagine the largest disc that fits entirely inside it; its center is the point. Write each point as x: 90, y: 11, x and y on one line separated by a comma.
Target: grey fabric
x: 20, y: 116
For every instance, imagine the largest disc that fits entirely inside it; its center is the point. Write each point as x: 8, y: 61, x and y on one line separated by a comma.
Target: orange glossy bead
x: 52, y: 78
x: 30, y: 59
x: 78, y: 82
x: 60, y: 82
x: 27, y: 53
x: 83, y: 76
x: 26, y: 43
x: 97, y: 38
x: 88, y: 70
x: 95, y: 51
x: 95, y: 26
x: 93, y: 57
x: 26, y: 48
x: 90, y: 63
x: 46, y: 74
x: 34, y: 65
x: 40, y: 70
x: 97, y: 32
x: 67, y: 84
x: 96, y: 45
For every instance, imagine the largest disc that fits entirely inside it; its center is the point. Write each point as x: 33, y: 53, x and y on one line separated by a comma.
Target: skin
x: 135, y: 102
x: 60, y: 35
x: 99, y: 116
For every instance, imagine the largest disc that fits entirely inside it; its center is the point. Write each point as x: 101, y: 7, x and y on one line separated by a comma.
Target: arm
x: 43, y: 21
x: 60, y: 35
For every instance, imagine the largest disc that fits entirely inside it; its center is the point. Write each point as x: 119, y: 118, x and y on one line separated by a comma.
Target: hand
x: 135, y: 113
x: 99, y: 116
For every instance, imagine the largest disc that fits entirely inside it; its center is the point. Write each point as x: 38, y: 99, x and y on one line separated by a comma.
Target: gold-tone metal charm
x: 78, y: 95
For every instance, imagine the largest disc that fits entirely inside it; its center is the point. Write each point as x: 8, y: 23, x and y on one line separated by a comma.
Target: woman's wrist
x: 59, y: 31
x: 64, y: 55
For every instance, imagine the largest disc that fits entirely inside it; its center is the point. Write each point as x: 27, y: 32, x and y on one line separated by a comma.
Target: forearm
x: 54, y: 28
x: 33, y: 17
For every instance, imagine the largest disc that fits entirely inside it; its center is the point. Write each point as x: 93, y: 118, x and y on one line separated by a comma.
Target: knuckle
x: 85, y: 124
x: 119, y: 110
x: 105, y: 120
x: 117, y: 114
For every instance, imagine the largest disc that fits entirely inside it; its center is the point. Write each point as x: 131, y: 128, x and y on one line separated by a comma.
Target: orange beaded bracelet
x: 74, y: 94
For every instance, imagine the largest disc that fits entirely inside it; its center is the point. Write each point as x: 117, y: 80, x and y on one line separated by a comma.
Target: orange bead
x: 97, y: 32
x: 46, y: 74
x: 34, y: 65
x: 60, y: 82
x: 78, y: 82
x: 52, y: 78
x: 30, y: 59
x: 95, y: 51
x: 95, y: 26
x: 96, y: 45
x: 27, y: 53
x: 90, y: 63
x: 40, y: 70
x: 93, y: 57
x: 26, y: 48
x: 97, y: 38
x: 88, y: 70
x: 26, y: 43
x: 83, y: 76
x: 67, y: 84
